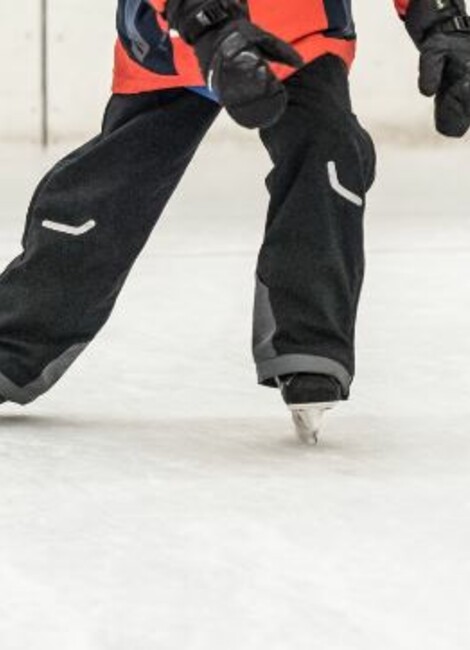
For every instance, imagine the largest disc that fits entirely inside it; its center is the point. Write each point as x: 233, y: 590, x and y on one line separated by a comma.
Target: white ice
x: 157, y: 499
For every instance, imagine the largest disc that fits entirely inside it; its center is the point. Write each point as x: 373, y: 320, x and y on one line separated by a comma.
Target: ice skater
x: 278, y: 66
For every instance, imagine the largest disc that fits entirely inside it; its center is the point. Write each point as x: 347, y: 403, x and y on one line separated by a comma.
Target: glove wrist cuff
x: 426, y: 17
x: 456, y: 24
x: 193, y: 19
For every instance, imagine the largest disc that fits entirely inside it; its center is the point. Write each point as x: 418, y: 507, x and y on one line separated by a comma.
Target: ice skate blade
x: 308, y: 419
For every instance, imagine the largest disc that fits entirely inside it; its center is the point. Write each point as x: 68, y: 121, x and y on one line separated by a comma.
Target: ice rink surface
x: 157, y: 500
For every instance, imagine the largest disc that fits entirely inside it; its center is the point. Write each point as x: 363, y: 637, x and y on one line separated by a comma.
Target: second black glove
x: 441, y: 31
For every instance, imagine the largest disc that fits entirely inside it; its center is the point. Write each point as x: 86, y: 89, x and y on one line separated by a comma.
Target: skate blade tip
x: 308, y: 442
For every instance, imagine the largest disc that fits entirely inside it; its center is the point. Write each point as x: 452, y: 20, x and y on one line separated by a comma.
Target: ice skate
x: 309, y: 397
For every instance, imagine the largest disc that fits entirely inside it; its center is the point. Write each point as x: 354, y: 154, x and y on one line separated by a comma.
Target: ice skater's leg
x: 87, y: 223
x: 311, y: 263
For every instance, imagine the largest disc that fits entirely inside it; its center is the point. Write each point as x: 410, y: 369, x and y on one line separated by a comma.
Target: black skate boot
x: 308, y: 398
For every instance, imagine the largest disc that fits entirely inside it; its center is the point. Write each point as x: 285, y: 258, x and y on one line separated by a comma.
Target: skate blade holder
x: 308, y: 420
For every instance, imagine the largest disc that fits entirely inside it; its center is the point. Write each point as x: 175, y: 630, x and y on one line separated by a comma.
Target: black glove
x: 233, y: 55
x: 441, y: 31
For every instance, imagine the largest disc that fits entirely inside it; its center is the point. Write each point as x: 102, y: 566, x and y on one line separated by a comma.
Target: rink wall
x: 81, y: 36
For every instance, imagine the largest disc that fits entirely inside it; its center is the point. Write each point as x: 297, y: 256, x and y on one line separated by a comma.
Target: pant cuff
x: 23, y: 395
x: 292, y: 363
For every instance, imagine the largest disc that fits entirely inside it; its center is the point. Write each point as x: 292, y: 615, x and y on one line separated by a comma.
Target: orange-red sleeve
x: 402, y: 6
x: 158, y: 5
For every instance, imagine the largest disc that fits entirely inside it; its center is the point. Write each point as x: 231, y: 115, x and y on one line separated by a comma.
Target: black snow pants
x: 92, y: 214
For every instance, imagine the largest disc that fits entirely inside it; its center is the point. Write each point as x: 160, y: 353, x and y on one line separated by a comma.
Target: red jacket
x: 313, y: 27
